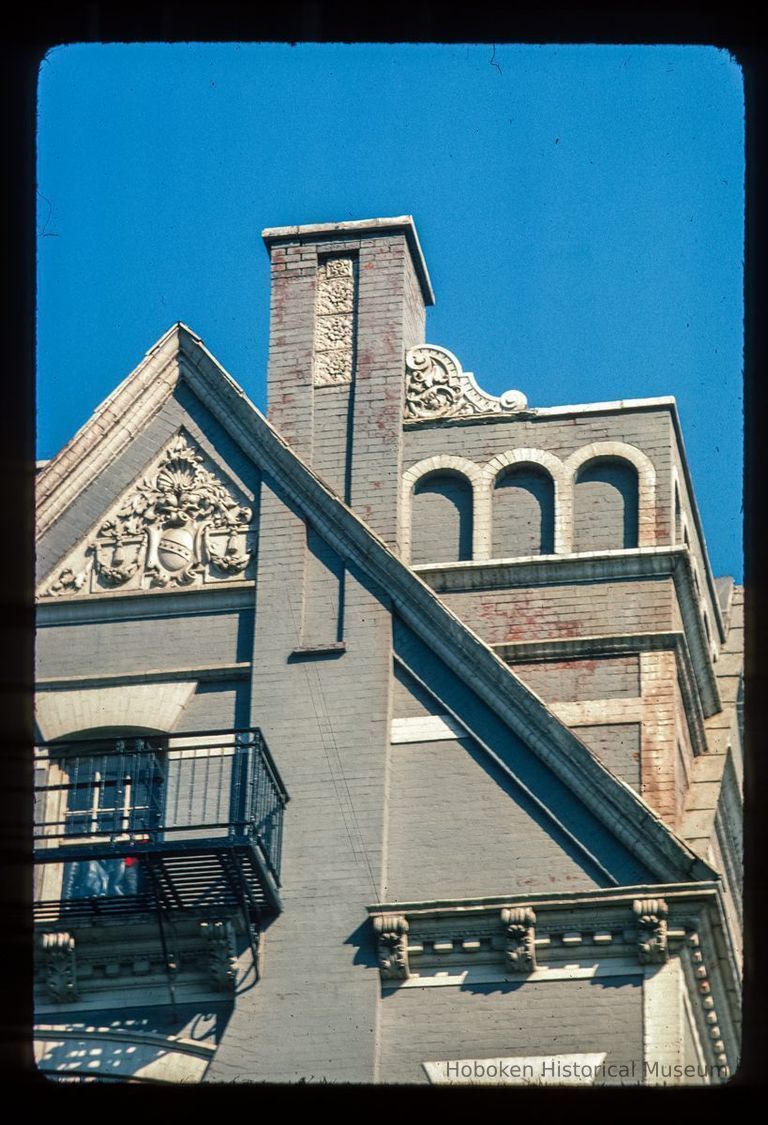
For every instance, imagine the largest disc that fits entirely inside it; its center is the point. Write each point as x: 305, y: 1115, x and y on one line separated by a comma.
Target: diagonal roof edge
x: 110, y: 427
x: 630, y: 819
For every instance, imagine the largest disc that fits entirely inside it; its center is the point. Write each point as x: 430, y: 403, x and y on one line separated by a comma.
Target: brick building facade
x: 388, y: 738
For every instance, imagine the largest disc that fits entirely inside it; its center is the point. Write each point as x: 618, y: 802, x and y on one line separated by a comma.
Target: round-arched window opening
x: 606, y: 506
x: 523, y: 512
x: 442, y: 518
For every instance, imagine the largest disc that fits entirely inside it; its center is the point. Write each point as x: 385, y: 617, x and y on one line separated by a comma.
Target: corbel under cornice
x: 646, y: 924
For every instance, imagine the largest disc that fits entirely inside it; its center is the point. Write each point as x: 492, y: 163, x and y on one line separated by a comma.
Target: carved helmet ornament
x: 178, y: 526
x: 437, y: 387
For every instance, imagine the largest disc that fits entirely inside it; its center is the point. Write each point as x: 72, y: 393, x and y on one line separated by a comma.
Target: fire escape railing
x: 168, y: 822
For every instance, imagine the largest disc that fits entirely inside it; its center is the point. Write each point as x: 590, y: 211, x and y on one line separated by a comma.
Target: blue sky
x: 580, y: 209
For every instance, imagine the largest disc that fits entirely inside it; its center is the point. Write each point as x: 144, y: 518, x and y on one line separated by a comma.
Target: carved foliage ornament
x: 58, y: 952
x: 520, y: 935
x: 437, y: 387
x: 178, y: 526
x: 651, y: 914
x: 222, y: 955
x: 334, y: 321
x: 392, y: 931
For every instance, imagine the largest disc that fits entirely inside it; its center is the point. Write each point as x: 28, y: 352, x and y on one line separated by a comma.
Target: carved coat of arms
x: 179, y: 526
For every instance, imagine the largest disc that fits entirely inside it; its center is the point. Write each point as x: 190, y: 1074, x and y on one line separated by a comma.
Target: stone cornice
x: 581, y: 934
x: 199, y: 672
x: 614, y: 803
x: 142, y: 604
x: 698, y: 904
x: 357, y: 229
x: 600, y: 566
x: 702, y: 891
x: 124, y: 957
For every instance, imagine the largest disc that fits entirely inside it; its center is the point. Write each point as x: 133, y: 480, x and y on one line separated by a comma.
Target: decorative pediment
x: 182, y: 525
x: 437, y: 387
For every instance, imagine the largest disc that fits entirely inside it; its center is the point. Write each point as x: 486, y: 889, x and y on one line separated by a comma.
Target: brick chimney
x: 348, y: 300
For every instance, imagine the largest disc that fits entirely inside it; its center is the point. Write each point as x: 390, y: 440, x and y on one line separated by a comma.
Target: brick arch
x: 441, y: 462
x: 646, y: 484
x: 510, y: 458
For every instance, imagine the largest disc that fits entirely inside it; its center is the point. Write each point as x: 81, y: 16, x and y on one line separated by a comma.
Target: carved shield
x: 175, y: 549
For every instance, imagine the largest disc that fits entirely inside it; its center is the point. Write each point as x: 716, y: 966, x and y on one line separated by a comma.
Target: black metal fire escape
x: 130, y: 826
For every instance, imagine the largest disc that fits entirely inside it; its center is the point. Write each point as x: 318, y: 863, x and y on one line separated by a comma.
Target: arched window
x: 523, y: 512
x: 442, y: 518
x: 605, y: 506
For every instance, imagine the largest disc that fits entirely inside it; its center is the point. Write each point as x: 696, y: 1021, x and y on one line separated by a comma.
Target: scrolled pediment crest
x: 437, y: 387
x: 181, y: 525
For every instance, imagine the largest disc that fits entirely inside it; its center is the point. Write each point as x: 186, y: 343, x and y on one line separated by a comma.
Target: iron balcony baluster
x: 157, y: 802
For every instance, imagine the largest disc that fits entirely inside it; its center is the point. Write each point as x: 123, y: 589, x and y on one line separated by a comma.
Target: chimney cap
x: 360, y: 228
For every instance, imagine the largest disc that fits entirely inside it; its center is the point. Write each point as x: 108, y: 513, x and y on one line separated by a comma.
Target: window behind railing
x: 121, y: 796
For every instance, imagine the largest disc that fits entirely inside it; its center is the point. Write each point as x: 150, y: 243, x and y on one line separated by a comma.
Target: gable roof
x: 180, y: 354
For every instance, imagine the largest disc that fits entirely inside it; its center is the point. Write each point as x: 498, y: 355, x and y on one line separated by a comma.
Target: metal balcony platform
x: 197, y: 818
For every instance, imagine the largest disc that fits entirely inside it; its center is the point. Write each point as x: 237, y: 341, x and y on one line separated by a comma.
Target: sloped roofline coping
x: 111, y: 426
x: 613, y: 802
x: 400, y: 224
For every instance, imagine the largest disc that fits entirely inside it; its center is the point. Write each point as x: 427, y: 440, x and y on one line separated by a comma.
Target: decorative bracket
x: 520, y: 948
x: 437, y: 387
x: 652, y: 945
x: 222, y: 955
x: 392, y: 931
x: 60, y: 970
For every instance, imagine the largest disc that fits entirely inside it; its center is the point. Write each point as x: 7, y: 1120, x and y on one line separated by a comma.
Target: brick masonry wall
x: 290, y: 395
x: 408, y: 699
x: 389, y: 319
x: 605, y: 508
x: 459, y: 696
x: 458, y: 828
x: 617, y: 745
x: 658, y: 673
x: 102, y: 648
x: 216, y: 706
x: 333, y: 405
x: 650, y: 431
x: 501, y: 1021
x: 523, y: 518
x: 321, y: 621
x: 588, y: 609
x: 602, y: 677
x: 326, y: 721
x: 442, y: 507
